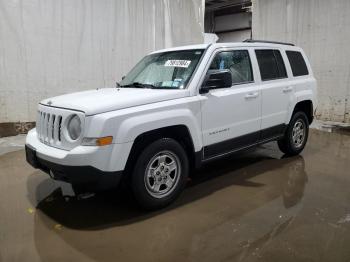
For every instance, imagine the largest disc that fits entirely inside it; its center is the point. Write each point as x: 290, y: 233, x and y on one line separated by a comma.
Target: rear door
x: 276, y: 92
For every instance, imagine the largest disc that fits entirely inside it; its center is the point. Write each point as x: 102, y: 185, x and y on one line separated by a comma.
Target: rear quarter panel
x: 305, y: 87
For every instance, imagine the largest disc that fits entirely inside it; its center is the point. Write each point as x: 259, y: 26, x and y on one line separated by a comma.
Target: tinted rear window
x: 271, y: 64
x: 297, y: 63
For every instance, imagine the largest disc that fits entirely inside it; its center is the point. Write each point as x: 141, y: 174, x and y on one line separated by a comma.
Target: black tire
x: 287, y: 144
x: 140, y: 181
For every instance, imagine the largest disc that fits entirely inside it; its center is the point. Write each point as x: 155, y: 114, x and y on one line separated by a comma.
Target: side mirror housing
x: 216, y: 79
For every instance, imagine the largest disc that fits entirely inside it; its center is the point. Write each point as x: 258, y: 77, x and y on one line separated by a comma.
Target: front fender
x: 134, y: 126
x: 127, y: 124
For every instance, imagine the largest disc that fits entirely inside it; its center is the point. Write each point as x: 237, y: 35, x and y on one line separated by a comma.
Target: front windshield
x: 168, y: 70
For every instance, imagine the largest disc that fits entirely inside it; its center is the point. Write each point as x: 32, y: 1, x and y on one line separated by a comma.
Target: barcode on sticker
x: 178, y: 63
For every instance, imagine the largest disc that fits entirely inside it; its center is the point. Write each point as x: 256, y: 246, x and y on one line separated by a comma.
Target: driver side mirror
x: 216, y: 79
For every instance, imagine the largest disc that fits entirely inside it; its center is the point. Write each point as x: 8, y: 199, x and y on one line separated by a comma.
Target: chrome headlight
x: 74, y: 127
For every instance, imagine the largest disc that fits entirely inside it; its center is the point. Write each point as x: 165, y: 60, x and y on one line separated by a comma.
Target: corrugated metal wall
x: 322, y: 29
x: 50, y: 47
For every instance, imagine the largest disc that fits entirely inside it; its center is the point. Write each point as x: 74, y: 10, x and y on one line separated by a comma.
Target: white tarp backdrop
x: 51, y: 47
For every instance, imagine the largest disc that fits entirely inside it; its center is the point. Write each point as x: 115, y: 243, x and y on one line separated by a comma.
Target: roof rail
x: 263, y: 41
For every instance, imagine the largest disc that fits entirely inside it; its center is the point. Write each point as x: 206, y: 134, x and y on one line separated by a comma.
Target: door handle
x: 251, y: 95
x: 287, y: 89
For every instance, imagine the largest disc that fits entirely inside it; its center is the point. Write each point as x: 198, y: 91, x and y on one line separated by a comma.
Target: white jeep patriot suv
x: 176, y: 109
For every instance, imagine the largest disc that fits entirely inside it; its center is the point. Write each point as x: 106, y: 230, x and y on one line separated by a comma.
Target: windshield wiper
x: 139, y: 85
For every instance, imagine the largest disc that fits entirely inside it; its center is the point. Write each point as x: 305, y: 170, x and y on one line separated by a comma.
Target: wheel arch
x: 180, y: 133
x: 305, y: 106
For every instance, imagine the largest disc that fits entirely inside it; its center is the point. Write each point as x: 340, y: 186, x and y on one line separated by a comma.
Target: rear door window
x: 271, y: 64
x: 297, y: 63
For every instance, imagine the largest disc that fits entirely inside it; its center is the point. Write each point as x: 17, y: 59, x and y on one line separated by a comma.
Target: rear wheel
x: 160, y: 173
x: 296, y: 135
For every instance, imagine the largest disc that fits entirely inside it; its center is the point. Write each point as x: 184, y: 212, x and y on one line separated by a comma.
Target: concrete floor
x: 256, y: 206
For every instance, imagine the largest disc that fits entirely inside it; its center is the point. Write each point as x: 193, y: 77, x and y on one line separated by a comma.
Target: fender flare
x: 305, y: 95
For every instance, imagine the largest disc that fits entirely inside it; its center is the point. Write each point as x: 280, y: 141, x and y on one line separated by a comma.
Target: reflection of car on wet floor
x: 255, y: 216
x: 176, y: 110
x: 295, y: 184
x: 247, y: 235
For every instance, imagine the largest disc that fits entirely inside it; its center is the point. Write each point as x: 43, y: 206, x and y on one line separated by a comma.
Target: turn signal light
x: 100, y: 141
x: 103, y: 141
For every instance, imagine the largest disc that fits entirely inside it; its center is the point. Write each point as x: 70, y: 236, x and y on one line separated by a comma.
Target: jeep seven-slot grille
x: 49, y: 127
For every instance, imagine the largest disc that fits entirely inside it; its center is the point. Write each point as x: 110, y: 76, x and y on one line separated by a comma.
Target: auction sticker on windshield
x: 178, y: 63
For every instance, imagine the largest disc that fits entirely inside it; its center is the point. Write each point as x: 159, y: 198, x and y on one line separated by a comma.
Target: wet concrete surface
x: 255, y: 206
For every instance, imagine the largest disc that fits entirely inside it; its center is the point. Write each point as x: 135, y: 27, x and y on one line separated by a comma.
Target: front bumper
x: 86, y: 177
x: 109, y: 158
x: 88, y: 166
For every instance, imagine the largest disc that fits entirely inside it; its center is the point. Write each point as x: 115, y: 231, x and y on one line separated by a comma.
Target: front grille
x: 49, y: 127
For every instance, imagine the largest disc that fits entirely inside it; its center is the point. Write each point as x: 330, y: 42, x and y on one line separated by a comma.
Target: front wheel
x: 160, y: 173
x: 296, y: 135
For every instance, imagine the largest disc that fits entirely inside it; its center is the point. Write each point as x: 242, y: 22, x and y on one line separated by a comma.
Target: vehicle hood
x: 109, y: 99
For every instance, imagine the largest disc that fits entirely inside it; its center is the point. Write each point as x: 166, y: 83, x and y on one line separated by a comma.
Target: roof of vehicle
x: 233, y: 44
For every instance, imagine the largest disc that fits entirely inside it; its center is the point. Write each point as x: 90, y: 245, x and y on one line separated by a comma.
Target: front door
x: 231, y: 117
